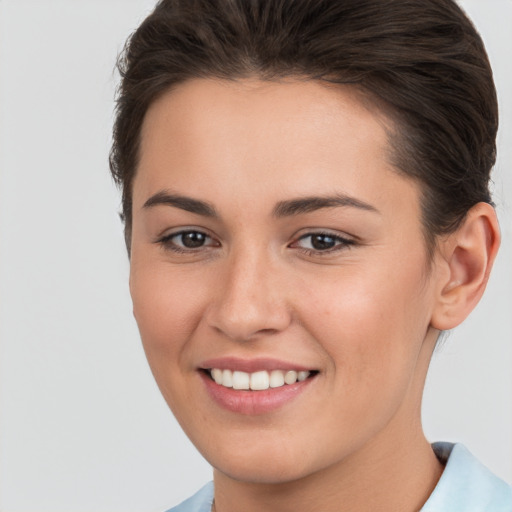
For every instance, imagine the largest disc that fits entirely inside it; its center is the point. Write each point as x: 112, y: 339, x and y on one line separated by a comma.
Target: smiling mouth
x: 259, y: 380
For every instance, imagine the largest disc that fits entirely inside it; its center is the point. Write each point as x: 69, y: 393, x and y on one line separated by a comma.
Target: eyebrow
x: 184, y: 203
x: 282, y: 209
x: 311, y: 204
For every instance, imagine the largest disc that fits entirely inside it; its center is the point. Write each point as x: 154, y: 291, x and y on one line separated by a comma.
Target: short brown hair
x: 422, y: 59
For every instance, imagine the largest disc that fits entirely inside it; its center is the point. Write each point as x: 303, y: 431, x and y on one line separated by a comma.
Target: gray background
x: 82, y: 424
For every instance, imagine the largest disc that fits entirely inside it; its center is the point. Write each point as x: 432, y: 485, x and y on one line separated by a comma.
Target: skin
x: 364, y: 314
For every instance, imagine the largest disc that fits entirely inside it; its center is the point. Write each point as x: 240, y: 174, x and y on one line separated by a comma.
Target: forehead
x: 265, y: 139
x: 292, y: 110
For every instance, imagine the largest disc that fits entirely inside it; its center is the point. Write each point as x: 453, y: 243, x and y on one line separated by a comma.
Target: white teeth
x: 227, y: 378
x: 241, y: 380
x: 276, y: 379
x: 290, y: 377
x: 257, y: 381
x: 217, y: 375
x: 302, y: 376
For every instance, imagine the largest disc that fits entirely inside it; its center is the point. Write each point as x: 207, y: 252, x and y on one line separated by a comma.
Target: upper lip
x: 252, y: 365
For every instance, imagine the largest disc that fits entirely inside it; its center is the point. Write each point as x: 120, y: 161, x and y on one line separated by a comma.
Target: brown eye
x: 187, y: 241
x: 322, y: 242
x: 318, y: 243
x: 191, y: 239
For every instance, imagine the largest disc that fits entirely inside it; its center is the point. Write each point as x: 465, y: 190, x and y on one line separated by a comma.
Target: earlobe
x: 467, y: 257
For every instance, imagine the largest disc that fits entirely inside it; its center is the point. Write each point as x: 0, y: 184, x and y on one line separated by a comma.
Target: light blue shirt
x: 465, y: 486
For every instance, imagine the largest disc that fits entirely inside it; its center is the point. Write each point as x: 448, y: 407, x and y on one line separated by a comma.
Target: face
x: 272, y: 241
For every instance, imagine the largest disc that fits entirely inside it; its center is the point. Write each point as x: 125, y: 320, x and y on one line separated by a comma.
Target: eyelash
x: 167, y: 241
x: 340, y: 242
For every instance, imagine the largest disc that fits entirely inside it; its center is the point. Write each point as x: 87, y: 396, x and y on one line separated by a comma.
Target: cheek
x: 371, y: 323
x: 167, y: 308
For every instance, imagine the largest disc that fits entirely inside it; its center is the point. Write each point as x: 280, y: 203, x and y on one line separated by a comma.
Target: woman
x: 306, y: 207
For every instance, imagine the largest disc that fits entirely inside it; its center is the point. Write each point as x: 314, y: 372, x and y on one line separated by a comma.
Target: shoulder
x: 201, y: 501
x: 467, y: 485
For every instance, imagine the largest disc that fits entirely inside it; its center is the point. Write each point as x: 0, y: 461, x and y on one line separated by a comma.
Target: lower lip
x: 254, y: 402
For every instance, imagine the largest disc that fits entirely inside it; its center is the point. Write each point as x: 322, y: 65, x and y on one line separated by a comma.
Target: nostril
x: 246, y: 328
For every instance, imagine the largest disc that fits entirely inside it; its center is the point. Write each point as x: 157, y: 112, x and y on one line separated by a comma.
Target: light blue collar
x: 466, y: 485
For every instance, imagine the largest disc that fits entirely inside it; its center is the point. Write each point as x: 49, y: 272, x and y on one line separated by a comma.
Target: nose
x: 250, y: 300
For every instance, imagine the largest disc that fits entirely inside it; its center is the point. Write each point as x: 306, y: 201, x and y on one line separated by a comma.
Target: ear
x: 465, y: 259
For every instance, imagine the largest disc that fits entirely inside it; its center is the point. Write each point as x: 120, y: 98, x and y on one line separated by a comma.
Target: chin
x: 272, y: 472
x: 260, y: 464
